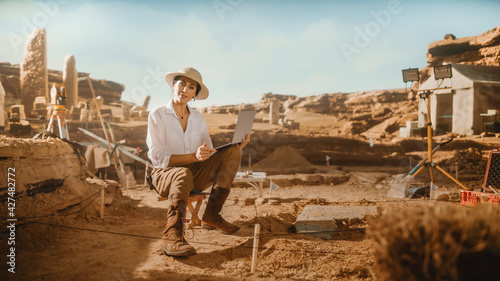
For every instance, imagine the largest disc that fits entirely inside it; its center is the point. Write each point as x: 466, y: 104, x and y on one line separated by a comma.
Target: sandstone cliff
x: 482, y: 49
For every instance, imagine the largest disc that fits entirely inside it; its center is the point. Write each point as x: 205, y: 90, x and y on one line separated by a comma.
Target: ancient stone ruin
x: 70, y: 80
x: 33, y: 75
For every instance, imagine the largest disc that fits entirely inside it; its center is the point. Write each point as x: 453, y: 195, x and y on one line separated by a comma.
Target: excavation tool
x: 119, y: 170
x: 58, y: 101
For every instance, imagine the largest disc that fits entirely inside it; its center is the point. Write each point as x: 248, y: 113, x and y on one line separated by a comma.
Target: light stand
x: 440, y: 72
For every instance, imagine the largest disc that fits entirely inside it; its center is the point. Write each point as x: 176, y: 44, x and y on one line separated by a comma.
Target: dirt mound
x: 46, y: 180
x: 437, y: 243
x: 467, y: 161
x: 284, y: 157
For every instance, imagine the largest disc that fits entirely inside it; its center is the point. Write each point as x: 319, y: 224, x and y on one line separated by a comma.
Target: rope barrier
x: 193, y: 242
x: 95, y: 195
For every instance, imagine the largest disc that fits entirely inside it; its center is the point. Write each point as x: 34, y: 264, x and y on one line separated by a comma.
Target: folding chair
x: 193, y: 198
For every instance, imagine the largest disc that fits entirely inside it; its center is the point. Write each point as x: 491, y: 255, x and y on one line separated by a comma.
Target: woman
x: 184, y: 160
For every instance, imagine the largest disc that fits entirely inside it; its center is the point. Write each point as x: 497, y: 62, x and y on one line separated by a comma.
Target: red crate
x: 472, y: 198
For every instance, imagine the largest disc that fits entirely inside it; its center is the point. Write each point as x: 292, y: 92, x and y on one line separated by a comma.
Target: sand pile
x: 284, y: 157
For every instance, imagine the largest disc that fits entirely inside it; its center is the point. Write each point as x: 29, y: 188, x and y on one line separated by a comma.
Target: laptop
x: 243, y: 128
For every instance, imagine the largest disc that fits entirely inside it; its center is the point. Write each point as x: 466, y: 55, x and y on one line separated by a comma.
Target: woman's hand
x: 203, y: 152
x: 242, y: 144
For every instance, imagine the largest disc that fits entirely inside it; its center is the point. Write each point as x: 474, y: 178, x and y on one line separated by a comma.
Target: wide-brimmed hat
x: 192, y: 73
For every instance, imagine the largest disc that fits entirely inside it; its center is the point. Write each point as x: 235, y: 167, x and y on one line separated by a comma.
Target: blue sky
x: 243, y: 48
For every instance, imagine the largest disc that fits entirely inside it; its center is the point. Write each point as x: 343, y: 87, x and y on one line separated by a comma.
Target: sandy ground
x: 125, y: 245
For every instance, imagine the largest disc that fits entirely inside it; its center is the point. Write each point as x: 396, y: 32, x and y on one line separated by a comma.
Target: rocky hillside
x: 482, y: 49
x: 383, y: 111
x: 9, y: 76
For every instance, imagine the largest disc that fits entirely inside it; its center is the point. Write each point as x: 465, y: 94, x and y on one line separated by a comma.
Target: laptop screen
x: 243, y: 126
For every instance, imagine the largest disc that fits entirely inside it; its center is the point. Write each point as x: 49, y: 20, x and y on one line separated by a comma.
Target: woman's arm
x: 158, y: 154
x: 181, y: 159
x: 202, y: 154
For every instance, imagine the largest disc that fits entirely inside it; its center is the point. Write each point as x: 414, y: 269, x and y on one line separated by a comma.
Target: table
x: 256, y: 179
x: 491, y: 127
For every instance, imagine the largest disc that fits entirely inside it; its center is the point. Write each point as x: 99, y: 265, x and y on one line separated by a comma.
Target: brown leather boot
x: 174, y: 243
x: 211, y: 218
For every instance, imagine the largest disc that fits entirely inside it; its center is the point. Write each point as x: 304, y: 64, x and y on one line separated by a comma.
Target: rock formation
x: 361, y: 111
x: 109, y: 90
x: 9, y: 76
x: 70, y: 81
x: 33, y: 75
x: 482, y: 49
x: 274, y: 112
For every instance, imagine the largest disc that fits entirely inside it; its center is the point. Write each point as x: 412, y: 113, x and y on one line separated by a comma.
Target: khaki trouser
x: 177, y: 182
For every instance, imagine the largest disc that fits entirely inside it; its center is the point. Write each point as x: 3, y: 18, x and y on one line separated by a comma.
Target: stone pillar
x: 33, y: 73
x: 70, y: 81
x: 146, y: 102
x: 126, y: 112
x: 274, y: 112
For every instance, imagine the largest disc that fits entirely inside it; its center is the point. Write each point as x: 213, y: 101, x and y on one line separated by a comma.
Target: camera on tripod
x: 58, y: 95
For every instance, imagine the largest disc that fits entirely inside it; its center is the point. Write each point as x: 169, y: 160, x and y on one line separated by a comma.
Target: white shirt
x: 166, y: 137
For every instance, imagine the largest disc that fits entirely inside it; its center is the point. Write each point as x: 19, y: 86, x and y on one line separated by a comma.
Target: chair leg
x: 198, y: 198
x: 195, y: 220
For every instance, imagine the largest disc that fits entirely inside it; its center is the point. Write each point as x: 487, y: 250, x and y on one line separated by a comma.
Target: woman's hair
x: 198, y: 87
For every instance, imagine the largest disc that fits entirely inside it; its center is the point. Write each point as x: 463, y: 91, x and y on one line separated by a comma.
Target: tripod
x: 59, y: 114
x: 425, y: 96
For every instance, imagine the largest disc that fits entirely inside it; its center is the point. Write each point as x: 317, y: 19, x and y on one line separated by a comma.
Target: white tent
x: 473, y: 98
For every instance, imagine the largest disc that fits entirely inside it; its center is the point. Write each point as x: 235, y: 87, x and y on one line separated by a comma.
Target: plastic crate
x: 473, y: 198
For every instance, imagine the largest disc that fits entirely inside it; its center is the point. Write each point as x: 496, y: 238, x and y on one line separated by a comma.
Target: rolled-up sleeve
x: 156, y: 141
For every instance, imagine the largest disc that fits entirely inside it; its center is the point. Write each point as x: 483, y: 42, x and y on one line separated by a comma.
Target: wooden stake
x: 126, y: 184
x: 269, y: 196
x: 250, y: 161
x: 122, y: 175
x: 255, y: 247
x: 117, y: 151
x: 102, y: 203
x: 146, y: 174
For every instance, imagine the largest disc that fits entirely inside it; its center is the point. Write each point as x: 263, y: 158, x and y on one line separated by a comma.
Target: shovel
x: 400, y: 185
